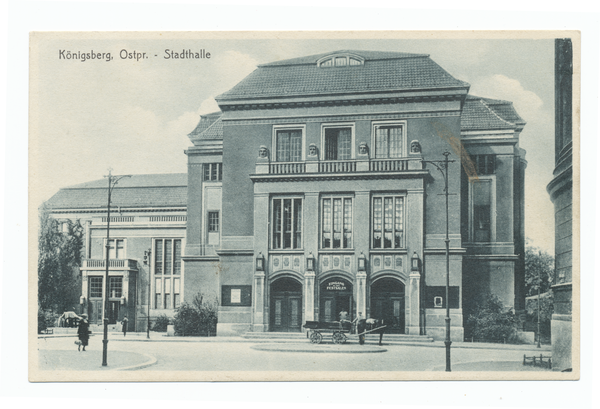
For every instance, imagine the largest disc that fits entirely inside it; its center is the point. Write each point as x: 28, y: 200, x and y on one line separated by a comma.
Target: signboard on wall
x: 236, y: 295
x: 337, y: 285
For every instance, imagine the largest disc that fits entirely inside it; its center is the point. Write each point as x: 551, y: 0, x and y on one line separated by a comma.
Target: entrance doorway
x: 286, y: 305
x: 387, y: 303
x: 336, y: 296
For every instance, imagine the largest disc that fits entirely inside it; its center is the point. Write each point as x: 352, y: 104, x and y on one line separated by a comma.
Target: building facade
x: 313, y: 192
x: 561, y: 194
x: 327, y: 201
x: 148, y: 214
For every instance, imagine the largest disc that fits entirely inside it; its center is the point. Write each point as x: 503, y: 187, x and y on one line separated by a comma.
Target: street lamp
x: 112, y: 181
x: 147, y: 262
x: 442, y: 166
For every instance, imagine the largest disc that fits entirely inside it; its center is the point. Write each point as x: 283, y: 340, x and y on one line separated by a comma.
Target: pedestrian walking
x: 124, y: 325
x: 83, y: 332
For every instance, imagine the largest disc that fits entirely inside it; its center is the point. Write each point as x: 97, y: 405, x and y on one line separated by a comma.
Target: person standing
x: 83, y: 332
x: 124, y: 325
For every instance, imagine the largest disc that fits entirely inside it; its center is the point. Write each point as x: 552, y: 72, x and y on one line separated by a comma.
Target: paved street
x: 216, y: 355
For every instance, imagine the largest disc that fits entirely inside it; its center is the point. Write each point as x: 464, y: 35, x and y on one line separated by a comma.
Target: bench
x: 541, y: 361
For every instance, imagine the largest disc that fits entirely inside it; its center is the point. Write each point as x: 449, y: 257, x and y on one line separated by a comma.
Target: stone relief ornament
x: 312, y: 150
x: 363, y: 149
x: 415, y: 147
x: 263, y: 152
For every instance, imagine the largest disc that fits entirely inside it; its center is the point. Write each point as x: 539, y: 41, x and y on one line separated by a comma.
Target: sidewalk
x: 162, y: 337
x: 72, y: 360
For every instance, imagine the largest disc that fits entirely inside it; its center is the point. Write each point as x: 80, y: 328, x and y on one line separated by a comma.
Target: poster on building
x: 304, y: 206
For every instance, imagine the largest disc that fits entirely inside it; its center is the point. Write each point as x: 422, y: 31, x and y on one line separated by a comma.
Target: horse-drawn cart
x: 340, y: 331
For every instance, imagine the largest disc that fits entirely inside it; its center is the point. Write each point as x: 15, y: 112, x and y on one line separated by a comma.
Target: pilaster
x: 309, y: 296
x: 414, y: 303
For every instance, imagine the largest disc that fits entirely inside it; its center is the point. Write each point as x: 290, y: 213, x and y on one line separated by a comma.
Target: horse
x: 369, y: 325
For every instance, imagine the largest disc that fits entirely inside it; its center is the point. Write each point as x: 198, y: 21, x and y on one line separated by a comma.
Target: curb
x: 151, y: 361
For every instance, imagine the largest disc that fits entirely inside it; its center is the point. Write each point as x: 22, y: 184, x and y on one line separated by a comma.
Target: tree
x: 58, y: 263
x: 491, y: 321
x: 539, y: 270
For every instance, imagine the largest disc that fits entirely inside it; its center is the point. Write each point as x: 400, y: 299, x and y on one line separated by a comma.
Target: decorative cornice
x: 310, y: 177
x: 235, y: 252
x: 200, y: 258
x: 130, y: 210
x: 355, y: 116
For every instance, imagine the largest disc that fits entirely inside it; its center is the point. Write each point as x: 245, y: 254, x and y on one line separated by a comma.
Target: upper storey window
x: 338, y: 143
x: 389, y: 140
x: 289, y: 144
x: 340, y: 61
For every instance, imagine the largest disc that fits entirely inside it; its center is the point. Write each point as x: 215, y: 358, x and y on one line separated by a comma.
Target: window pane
x: 326, y: 223
x: 96, y: 287
x: 381, y: 143
x: 295, y: 146
x: 213, y: 171
x: 206, y: 171
x: 283, y: 146
x: 340, y: 61
x: 177, y: 264
x: 115, y: 287
x: 337, y: 223
x: 331, y: 144
x: 220, y: 173
x: 344, y: 144
x: 158, y: 293
x: 347, y: 223
x: 158, y: 255
x: 482, y: 192
x: 168, y: 256
x: 395, y: 141
x: 213, y: 222
x: 398, y: 225
x: 176, y: 285
x: 287, y: 223
x: 297, y: 223
x: 167, y: 285
x: 377, y: 222
x: 277, y: 223
x: 388, y: 226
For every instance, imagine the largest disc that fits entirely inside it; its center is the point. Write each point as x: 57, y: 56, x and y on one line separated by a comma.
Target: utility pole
x: 112, y: 181
x: 148, y: 263
x: 442, y: 166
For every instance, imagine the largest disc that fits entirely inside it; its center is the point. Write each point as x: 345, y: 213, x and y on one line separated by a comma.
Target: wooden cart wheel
x: 338, y: 338
x: 316, y: 337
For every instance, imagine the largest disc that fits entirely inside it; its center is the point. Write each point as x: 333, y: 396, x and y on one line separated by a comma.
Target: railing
x: 388, y: 165
x: 337, y: 166
x: 119, y: 219
x: 112, y: 263
x: 346, y: 166
x: 287, y: 167
x: 168, y: 218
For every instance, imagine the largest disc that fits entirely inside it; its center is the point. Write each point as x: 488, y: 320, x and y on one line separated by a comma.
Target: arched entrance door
x: 286, y: 305
x: 387, y: 303
x: 335, y: 297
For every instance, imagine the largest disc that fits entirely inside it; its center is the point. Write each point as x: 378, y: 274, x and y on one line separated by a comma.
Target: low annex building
x: 310, y: 193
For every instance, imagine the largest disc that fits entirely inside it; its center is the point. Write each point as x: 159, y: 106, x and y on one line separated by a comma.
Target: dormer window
x: 340, y: 61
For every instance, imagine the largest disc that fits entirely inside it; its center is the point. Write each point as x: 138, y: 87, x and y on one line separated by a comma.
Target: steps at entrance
x: 300, y: 336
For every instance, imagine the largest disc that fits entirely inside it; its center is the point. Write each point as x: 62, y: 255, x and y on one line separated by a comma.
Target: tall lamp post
x: 112, y: 181
x: 442, y: 166
x: 147, y: 262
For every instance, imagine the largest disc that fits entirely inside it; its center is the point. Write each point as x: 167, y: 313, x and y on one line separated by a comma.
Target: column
x: 259, y: 302
x: 309, y: 296
x: 412, y: 316
x: 85, y: 291
x: 125, y: 292
x: 361, y: 293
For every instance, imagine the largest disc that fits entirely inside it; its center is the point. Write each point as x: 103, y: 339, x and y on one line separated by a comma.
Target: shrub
x: 197, y: 318
x: 46, y: 319
x: 490, y: 321
x: 161, y: 323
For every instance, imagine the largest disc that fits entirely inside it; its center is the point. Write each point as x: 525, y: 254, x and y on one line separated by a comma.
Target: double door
x: 333, y: 304
x: 390, y: 308
x: 286, y: 312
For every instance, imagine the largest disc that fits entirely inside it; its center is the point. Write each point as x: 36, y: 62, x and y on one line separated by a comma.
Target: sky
x: 134, y: 116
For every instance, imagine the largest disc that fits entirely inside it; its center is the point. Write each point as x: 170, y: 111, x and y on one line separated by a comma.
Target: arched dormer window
x: 340, y: 60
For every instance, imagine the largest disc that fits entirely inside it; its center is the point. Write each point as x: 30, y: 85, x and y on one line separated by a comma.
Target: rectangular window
x: 167, y: 263
x: 213, y: 222
x: 115, y: 289
x: 116, y: 248
x: 289, y: 145
x: 287, y: 224
x: 338, y: 143
x: 389, y: 141
x: 212, y: 172
x: 337, y: 223
x: 95, y: 287
x: 388, y: 222
x: 481, y: 191
x: 176, y: 292
x: 485, y: 164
